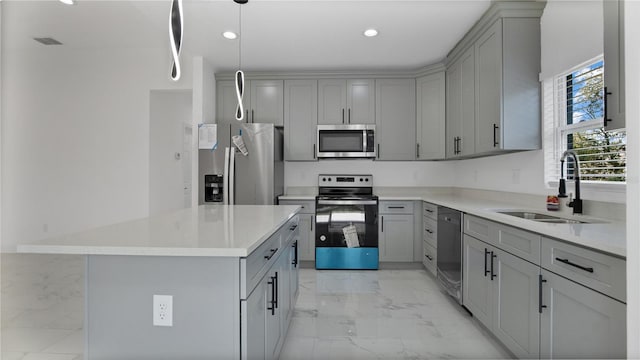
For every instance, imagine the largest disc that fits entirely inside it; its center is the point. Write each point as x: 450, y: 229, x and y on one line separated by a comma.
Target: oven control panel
x: 333, y: 180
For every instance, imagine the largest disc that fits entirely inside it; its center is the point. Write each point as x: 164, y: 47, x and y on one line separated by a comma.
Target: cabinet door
x: 430, y: 135
x: 466, y: 145
x: 613, y: 16
x: 254, y: 311
x: 477, y: 293
x: 396, y: 119
x: 395, y: 238
x: 284, y: 290
x: 360, y: 102
x: 300, y: 119
x: 332, y: 101
x: 488, y: 52
x: 294, y: 265
x: 307, y: 244
x: 454, y: 115
x: 267, y: 101
x: 580, y: 323
x: 516, y: 320
x: 227, y: 102
x: 273, y: 328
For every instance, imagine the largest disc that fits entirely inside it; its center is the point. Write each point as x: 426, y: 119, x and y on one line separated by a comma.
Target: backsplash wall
x: 521, y: 172
x: 385, y: 173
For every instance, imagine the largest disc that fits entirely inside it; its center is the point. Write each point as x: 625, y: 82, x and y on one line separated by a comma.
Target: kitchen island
x: 230, y: 271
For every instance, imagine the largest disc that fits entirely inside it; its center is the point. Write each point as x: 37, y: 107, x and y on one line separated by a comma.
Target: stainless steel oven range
x: 346, y: 222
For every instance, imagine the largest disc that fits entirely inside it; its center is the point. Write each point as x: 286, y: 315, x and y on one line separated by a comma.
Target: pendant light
x: 175, y: 36
x: 239, y: 78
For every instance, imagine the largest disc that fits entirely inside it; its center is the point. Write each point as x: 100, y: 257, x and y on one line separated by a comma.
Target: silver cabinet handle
x: 343, y: 116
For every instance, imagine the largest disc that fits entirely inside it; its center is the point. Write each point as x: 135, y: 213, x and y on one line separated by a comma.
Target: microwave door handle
x: 364, y: 140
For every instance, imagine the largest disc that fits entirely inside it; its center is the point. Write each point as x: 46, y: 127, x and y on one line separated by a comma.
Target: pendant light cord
x: 240, y: 36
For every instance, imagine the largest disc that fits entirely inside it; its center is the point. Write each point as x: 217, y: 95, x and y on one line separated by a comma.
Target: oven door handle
x: 347, y: 202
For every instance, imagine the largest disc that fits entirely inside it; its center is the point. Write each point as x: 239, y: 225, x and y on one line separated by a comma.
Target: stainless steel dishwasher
x: 449, y: 259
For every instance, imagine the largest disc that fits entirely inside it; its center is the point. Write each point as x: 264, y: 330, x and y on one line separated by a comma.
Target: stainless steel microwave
x: 346, y: 141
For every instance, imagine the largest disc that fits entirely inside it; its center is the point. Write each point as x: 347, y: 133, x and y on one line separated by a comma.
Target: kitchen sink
x: 545, y: 218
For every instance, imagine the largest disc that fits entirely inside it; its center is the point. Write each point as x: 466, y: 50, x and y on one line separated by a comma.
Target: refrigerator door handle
x: 232, y: 175
x: 225, y: 177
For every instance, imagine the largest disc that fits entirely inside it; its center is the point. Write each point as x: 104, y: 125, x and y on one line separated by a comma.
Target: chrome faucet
x: 576, y: 203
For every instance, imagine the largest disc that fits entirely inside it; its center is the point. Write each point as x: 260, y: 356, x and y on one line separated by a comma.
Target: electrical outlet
x: 162, y: 310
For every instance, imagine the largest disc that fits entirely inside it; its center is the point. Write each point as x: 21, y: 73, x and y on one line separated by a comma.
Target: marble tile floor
x: 385, y: 314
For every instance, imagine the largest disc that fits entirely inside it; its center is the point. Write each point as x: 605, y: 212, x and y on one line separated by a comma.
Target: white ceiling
x: 276, y: 34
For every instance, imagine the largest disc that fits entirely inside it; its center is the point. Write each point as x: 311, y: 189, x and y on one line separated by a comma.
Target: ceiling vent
x: 47, y: 41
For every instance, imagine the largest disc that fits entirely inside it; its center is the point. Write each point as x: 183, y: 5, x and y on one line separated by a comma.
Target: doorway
x: 170, y: 141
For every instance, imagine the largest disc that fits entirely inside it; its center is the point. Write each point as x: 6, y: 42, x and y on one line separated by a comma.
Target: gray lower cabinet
x: 395, y: 238
x: 580, y: 323
x: 255, y: 310
x: 396, y: 119
x: 501, y: 290
x: 306, y: 226
x: 307, y: 244
x: 300, y: 119
x: 477, y: 294
x: 516, y: 318
x: 222, y: 306
x: 273, y: 326
x: 543, y: 297
x: 396, y: 231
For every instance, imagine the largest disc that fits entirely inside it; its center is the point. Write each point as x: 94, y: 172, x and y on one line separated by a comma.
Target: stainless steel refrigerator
x: 256, y: 178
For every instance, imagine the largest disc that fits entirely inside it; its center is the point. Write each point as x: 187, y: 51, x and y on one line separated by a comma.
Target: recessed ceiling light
x: 229, y: 35
x: 67, y: 2
x: 370, y: 32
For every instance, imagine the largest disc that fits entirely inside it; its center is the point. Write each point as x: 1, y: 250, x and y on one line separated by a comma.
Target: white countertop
x: 208, y: 230
x: 606, y: 235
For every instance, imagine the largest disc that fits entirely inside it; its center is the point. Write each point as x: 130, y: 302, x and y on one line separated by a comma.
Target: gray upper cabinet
x: 267, y: 102
x: 461, y: 104
x: 343, y: 101
x: 227, y: 102
x: 262, y: 101
x: 507, y: 86
x: 300, y: 119
x: 430, y: 121
x: 501, y: 104
x: 580, y: 323
x: 613, y: 15
x: 396, y: 119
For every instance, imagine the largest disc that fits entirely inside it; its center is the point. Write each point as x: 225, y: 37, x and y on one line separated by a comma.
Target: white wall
x: 170, y: 111
x: 632, y: 59
x: 76, y: 137
x: 385, y: 173
x: 562, y: 46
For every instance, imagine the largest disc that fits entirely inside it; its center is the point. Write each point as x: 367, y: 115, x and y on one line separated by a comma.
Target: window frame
x: 556, y: 129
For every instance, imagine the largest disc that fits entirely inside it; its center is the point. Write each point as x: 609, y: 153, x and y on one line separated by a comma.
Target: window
x: 577, y: 124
